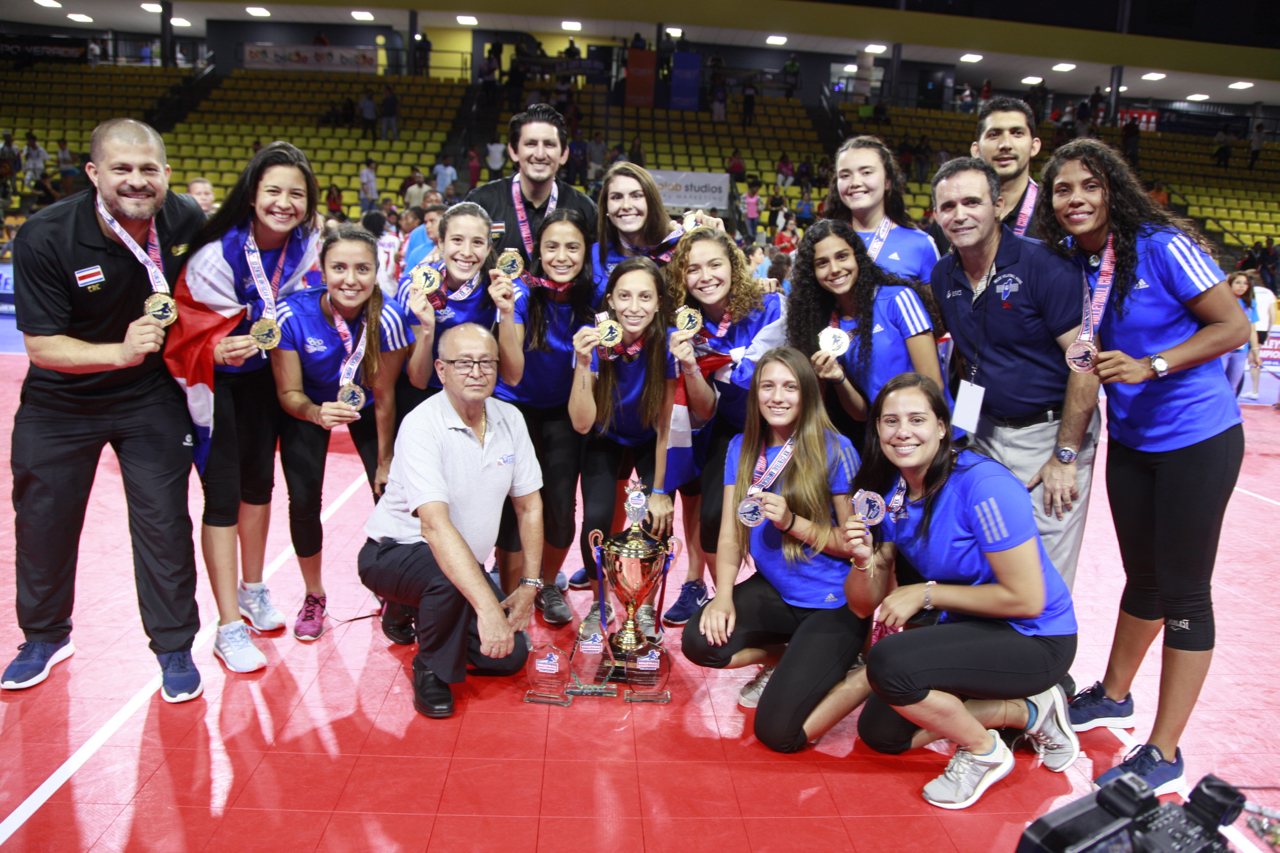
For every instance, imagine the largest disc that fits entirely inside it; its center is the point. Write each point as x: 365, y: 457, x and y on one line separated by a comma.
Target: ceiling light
x: 971, y: 57
x: 1064, y: 66
x: 1032, y: 81
x: 1197, y: 97
x: 776, y: 40
x: 81, y: 19
x: 417, y: 36
x: 257, y: 11
x: 851, y: 69
x: 180, y: 22
x: 571, y: 26
x: 152, y: 7
x: 875, y: 48
x: 51, y: 4
x: 467, y: 20
x: 362, y: 16
x: 1154, y: 75
x: 675, y: 32
x: 1241, y: 85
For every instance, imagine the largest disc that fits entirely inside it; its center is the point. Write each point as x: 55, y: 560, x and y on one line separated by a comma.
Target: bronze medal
x: 352, y: 395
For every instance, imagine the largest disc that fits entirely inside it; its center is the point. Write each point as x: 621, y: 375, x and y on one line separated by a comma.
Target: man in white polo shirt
x: 458, y: 455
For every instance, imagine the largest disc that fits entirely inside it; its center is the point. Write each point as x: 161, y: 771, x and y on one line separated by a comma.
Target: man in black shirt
x: 83, y: 270
x: 538, y: 145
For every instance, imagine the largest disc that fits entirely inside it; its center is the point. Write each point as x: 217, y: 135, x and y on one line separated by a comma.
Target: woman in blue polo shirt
x: 787, y: 475
x: 1176, y: 441
x: 1008, y: 633
x: 551, y: 302
x: 621, y: 400
x: 341, y: 348
x: 1246, y: 355
x: 866, y: 192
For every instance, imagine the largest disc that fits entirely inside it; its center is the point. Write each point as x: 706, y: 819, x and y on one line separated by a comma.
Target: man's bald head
x: 465, y: 332
x: 127, y: 131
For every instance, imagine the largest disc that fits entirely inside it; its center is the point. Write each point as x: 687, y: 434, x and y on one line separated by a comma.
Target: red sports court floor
x: 322, y: 751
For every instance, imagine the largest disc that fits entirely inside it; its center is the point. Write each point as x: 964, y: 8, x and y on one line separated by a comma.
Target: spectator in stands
x: 749, y: 102
x: 393, y: 222
x: 791, y: 75
x: 787, y: 237
x: 638, y: 42
x: 986, y: 94
x: 756, y: 257
x: 95, y: 53
x: 1159, y: 193
x: 1268, y: 267
x: 823, y: 175
x: 1129, y: 141
x: 390, y: 114
x: 719, y: 98
x: 636, y: 153
x: 735, y: 167
x: 68, y: 166
x: 368, y: 115
x: 572, y: 51
x: 597, y: 155
x: 1264, y: 301
x: 516, y: 76
x: 880, y: 113
x: 751, y: 203
x: 445, y: 175
x: 777, y: 211
x: 786, y: 171
x: 369, y: 186
x: 804, y: 172
x: 473, y: 168
x: 577, y: 165
x: 966, y: 99
x: 1084, y: 119
x: 416, y: 192
x: 34, y: 158
x: 450, y: 196
x: 10, y: 162
x: 423, y: 239
x: 1255, y: 145
x: 922, y: 158
x: 256, y: 147
x: 1222, y: 147
x: 495, y: 157
x: 333, y: 200
x: 780, y: 271
x: 1096, y: 102
x: 201, y: 189
x: 804, y: 210
x: 488, y: 73
x: 144, y: 53
x: 348, y: 112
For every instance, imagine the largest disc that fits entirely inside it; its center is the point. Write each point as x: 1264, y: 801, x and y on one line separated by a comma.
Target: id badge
x: 968, y: 406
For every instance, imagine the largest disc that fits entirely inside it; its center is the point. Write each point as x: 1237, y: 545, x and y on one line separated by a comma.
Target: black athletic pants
x: 722, y: 432
x: 54, y: 459
x: 242, y: 454
x: 604, y: 463
x: 558, y: 447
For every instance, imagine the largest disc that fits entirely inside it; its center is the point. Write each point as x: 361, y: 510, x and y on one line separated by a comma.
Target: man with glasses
x: 457, y: 456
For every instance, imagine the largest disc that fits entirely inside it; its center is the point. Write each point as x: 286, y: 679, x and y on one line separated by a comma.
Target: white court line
x: 1256, y: 495
x: 40, y: 796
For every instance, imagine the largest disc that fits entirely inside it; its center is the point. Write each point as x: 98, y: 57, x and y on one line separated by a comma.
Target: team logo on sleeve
x: 179, y: 249
x: 509, y: 459
x: 88, y: 276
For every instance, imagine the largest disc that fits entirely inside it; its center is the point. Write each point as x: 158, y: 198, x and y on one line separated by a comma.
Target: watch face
x: 1065, y: 455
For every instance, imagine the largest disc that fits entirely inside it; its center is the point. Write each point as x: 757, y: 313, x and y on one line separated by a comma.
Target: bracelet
x: 536, y: 583
x: 838, y: 382
x: 928, y: 594
x: 656, y: 491
x: 862, y: 568
x: 787, y: 529
x: 688, y: 372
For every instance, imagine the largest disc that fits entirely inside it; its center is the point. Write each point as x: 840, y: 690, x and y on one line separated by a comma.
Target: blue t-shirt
x: 601, y: 272
x: 476, y: 308
x: 304, y: 330
x: 628, y: 423
x: 418, y: 247
x: 818, y: 581
x: 744, y: 342
x: 982, y: 508
x: 907, y: 252
x: 548, y: 376
x: 1010, y: 332
x: 1183, y: 408
x: 1250, y: 311
x: 896, y: 314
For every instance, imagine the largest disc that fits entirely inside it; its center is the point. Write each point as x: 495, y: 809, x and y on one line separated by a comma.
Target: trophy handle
x: 596, y: 539
x: 674, y: 547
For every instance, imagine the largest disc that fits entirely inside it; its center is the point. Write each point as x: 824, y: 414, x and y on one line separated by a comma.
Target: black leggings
x: 242, y: 454
x: 722, y: 432
x: 303, y: 448
x: 604, y: 463
x: 408, y: 396
x: 821, y: 646
x: 975, y: 659
x: 1168, y: 509
x: 558, y: 447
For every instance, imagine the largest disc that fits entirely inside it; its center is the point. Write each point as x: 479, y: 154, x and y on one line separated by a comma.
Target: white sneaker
x: 1052, y: 735
x: 749, y: 696
x: 233, y: 647
x: 968, y: 776
x: 256, y: 606
x: 1249, y: 395
x: 647, y: 620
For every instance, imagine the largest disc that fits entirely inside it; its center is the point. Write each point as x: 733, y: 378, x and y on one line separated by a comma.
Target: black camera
x: 1124, y: 816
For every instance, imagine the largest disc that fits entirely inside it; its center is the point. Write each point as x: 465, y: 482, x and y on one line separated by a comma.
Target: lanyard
x: 877, y: 242
x: 611, y: 353
x: 522, y: 217
x: 150, y: 259
x: 1095, y: 307
x: 721, y: 330
x: 466, y: 289
x: 1028, y: 205
x: 559, y: 289
x: 763, y: 479
x: 982, y: 326
x: 657, y: 253
x: 267, y: 290
x: 354, y: 355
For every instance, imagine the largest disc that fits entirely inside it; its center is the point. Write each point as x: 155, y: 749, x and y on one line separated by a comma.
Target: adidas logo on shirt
x: 894, y: 257
x: 1141, y: 284
x: 878, y: 328
x: 830, y: 597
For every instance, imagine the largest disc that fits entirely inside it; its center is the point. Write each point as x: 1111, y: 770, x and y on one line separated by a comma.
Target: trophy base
x: 562, y: 700
x: 606, y: 690
x: 660, y: 698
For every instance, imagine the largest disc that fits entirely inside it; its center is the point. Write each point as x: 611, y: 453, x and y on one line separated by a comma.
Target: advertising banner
x: 686, y: 80
x: 694, y: 190
x: 306, y: 57
x: 641, y: 71
x: 44, y: 48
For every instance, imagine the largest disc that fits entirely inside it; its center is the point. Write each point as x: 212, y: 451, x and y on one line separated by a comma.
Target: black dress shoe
x: 399, y: 623
x: 431, y: 696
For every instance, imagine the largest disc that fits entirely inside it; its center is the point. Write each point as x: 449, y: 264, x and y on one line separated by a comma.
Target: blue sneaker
x: 1093, y: 708
x: 580, y: 580
x: 1145, y: 760
x: 562, y: 581
x: 180, y: 678
x: 33, y: 663
x: 693, y: 594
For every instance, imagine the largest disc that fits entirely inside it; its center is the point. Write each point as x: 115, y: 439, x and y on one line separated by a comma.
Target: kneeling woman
x: 1009, y: 630
x: 324, y: 335
x: 782, y: 473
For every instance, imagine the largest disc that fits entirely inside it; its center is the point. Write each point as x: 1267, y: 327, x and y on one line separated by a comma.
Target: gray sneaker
x: 256, y: 605
x: 231, y: 644
x: 647, y: 621
x: 593, y: 615
x: 1052, y: 735
x: 555, y: 610
x: 749, y: 695
x: 968, y: 776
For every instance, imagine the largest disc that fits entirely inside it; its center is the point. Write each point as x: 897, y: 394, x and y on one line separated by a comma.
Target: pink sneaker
x: 310, y: 624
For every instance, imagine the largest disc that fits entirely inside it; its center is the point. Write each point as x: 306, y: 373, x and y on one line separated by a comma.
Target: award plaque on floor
x: 548, y: 671
x: 648, y: 668
x: 592, y: 662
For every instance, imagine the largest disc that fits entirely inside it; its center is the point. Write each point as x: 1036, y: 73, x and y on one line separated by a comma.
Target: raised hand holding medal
x: 834, y: 340
x: 751, y: 509
x: 159, y: 305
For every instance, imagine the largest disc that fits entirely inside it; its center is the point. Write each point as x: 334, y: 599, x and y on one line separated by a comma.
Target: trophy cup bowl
x: 634, y: 561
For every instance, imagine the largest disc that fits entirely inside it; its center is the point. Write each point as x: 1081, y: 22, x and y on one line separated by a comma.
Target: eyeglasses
x: 466, y: 365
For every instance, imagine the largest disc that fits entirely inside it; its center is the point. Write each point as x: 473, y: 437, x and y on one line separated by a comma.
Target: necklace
x: 484, y: 425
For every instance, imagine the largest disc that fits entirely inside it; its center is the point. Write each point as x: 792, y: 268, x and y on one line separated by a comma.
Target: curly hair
x: 895, y: 207
x: 1130, y: 211
x: 745, y: 294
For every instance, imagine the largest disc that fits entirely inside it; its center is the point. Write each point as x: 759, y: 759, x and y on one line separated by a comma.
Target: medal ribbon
x: 522, y: 217
x: 150, y: 259
x: 532, y: 281
x: 898, y: 503
x: 1093, y: 309
x: 466, y: 289
x: 877, y: 242
x: 266, y: 290
x: 611, y: 353
x: 1028, y: 205
x: 763, y: 478
x: 725, y: 322
x: 657, y: 253
x: 354, y: 355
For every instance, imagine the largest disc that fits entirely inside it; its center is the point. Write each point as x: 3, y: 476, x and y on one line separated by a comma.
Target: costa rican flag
x: 88, y: 276
x: 689, y: 436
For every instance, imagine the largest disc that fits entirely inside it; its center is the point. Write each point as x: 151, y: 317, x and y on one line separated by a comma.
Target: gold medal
x: 690, y: 221
x: 610, y: 333
x: 688, y: 319
x: 265, y: 334
x: 352, y: 395
x: 162, y: 307
x: 833, y: 340
x: 510, y: 263
x: 425, y: 278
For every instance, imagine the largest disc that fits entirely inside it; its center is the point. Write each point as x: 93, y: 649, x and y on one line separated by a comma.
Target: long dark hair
x: 1251, y: 277
x: 657, y: 225
x: 238, y: 205
x: 655, y: 352
x: 810, y: 304
x: 580, y: 294
x: 1130, y: 211
x: 372, y: 361
x: 895, y: 206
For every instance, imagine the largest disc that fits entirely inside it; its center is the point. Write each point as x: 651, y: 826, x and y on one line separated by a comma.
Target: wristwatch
x: 536, y: 583
x: 1159, y: 365
x: 1065, y: 455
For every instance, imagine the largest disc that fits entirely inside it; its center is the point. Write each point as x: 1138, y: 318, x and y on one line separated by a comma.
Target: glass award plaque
x: 648, y: 668
x: 592, y: 663
x: 548, y: 671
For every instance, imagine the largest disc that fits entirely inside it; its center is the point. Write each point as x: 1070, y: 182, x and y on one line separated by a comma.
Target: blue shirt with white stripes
x: 897, y: 314
x: 982, y: 508
x: 907, y: 252
x: 1183, y: 408
x: 476, y: 307
x: 305, y: 330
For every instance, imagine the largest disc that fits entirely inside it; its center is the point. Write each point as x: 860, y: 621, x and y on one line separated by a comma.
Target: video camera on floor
x: 1125, y: 816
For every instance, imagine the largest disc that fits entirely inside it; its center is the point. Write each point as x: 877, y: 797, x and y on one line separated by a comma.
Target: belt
x: 1045, y: 417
